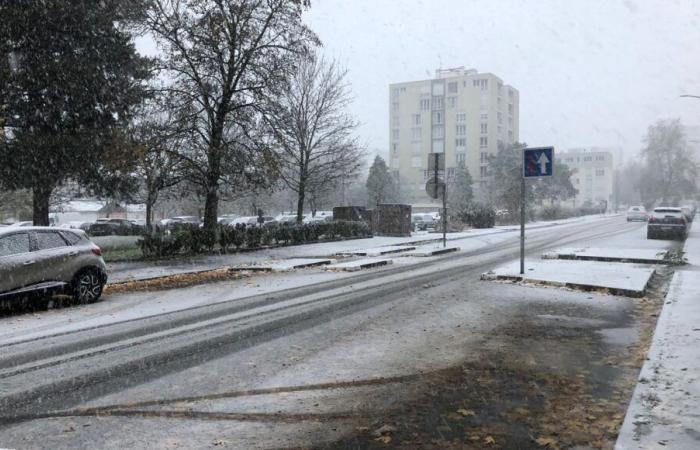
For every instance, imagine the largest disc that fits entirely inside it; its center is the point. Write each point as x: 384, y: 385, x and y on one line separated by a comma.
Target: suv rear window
x: 14, y: 244
x: 667, y: 210
x: 72, y: 238
x: 50, y: 239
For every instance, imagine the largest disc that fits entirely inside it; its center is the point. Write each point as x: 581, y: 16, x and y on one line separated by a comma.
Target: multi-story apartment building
x: 461, y: 113
x: 592, y: 174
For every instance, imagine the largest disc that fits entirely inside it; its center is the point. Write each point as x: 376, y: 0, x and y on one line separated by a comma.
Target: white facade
x: 593, y: 175
x: 461, y: 113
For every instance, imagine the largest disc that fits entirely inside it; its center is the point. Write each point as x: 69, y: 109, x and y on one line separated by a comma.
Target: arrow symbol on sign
x: 543, y: 161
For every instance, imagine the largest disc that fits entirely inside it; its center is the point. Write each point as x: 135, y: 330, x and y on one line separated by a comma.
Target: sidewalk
x: 140, y: 270
x: 665, y: 408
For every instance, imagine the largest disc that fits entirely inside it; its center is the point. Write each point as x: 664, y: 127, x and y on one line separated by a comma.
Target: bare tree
x: 670, y: 168
x: 219, y: 58
x: 313, y: 130
x: 159, y: 163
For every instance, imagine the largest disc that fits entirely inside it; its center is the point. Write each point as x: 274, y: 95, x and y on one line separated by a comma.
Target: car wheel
x: 87, y: 286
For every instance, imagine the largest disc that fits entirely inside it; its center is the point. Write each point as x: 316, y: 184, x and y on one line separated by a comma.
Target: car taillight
x: 652, y: 219
x: 681, y: 221
x: 97, y: 250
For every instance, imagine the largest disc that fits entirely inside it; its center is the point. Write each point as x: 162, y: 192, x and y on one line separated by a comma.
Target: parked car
x: 688, y: 212
x: 667, y: 221
x: 180, y: 221
x: 637, y: 213
x: 21, y: 224
x: 76, y: 225
x: 423, y: 221
x: 288, y: 219
x: 39, y: 260
x: 102, y: 228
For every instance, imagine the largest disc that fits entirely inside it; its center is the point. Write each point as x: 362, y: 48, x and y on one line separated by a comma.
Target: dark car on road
x: 41, y: 260
x: 666, y: 221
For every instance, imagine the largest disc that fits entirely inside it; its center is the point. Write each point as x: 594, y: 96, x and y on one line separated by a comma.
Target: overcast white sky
x: 589, y: 72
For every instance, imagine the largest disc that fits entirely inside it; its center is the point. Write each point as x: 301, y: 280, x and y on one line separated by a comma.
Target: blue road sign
x: 538, y: 162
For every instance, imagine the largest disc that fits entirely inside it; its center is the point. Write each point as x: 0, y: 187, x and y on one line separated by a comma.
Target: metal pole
x: 444, y: 216
x: 522, y: 223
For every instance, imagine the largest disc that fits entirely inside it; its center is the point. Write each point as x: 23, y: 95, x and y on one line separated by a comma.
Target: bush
x: 192, y: 239
x: 478, y: 215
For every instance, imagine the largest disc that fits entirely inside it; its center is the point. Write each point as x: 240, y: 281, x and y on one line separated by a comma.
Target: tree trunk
x: 301, y: 196
x: 300, y: 205
x: 40, y: 205
x: 211, y: 207
x: 149, y: 212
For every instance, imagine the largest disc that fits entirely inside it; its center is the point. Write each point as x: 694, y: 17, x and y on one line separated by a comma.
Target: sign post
x: 536, y: 163
x: 437, y: 187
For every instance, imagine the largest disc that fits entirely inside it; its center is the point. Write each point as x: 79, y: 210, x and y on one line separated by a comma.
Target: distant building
x: 592, y: 174
x: 461, y: 113
x: 91, y: 210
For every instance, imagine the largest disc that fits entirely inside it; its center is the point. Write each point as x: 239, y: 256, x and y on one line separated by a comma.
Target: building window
x: 484, y: 128
x: 483, y: 157
x: 438, y: 132
x: 394, y: 121
x: 394, y: 148
x: 461, y: 158
x: 394, y: 93
x: 395, y: 106
x: 483, y: 142
x: 461, y: 142
x: 569, y: 159
x: 510, y: 108
x: 510, y: 122
x: 600, y: 172
x: 461, y: 130
x: 438, y: 89
x: 427, y: 174
x: 416, y: 133
x: 450, y: 173
x: 499, y: 130
x: 452, y: 87
x: 438, y: 103
x: 438, y: 146
x: 510, y: 94
x: 510, y: 136
x: 578, y: 181
x: 484, y: 116
x: 498, y: 102
x: 482, y: 84
x: 461, y: 117
x: 438, y: 118
x: 424, y: 104
x: 483, y: 171
x: 415, y: 119
x: 395, y: 173
x: 500, y: 117
x: 587, y: 158
x: 451, y: 102
x: 395, y: 134
x: 600, y: 158
x: 500, y: 88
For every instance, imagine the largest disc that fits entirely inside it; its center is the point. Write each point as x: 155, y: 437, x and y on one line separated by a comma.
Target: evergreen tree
x: 69, y: 77
x: 459, y: 191
x: 381, y: 187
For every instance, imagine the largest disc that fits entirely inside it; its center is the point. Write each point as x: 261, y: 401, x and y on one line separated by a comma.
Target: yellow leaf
x: 466, y: 412
x: 384, y: 439
x: 488, y: 440
x: 547, y: 442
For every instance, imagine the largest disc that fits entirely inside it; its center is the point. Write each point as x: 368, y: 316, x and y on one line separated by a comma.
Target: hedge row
x: 192, y: 239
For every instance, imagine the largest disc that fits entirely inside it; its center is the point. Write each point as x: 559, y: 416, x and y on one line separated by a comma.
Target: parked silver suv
x: 50, y: 260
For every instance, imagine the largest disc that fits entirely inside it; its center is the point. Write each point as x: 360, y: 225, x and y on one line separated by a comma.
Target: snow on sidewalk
x: 638, y: 255
x: 618, y: 278
x: 665, y: 408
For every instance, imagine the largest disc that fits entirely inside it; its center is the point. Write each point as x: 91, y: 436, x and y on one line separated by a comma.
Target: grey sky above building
x: 589, y: 72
